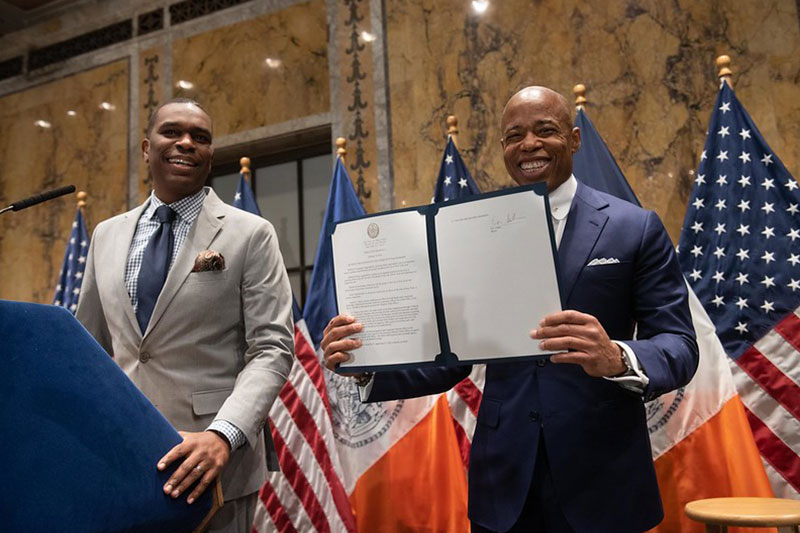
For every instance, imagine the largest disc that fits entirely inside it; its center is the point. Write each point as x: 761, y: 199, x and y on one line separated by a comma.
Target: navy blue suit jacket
x: 595, y: 432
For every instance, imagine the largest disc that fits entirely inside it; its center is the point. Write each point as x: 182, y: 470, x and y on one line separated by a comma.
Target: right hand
x: 336, y: 342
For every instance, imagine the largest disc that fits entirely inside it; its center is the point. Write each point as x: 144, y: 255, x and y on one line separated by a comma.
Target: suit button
x: 144, y: 357
x: 541, y: 362
x: 534, y: 416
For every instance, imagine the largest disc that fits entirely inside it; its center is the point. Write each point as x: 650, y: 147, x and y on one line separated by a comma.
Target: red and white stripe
x: 308, y: 493
x: 464, y: 400
x: 767, y: 377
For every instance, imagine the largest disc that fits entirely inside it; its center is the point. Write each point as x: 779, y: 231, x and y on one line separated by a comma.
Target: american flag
x: 740, y: 250
x: 308, y: 493
x: 71, y: 277
x: 244, y: 198
x: 454, y: 182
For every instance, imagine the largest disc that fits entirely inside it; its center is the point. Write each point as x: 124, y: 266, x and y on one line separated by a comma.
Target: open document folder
x: 456, y: 283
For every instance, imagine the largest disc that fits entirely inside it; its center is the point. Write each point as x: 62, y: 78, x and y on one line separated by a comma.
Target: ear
x: 146, y: 150
x: 576, y: 138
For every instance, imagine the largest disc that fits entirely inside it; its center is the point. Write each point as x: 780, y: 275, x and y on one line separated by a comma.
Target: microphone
x: 39, y: 198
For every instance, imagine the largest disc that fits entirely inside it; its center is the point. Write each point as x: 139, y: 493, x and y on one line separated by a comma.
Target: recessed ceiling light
x: 107, y: 106
x: 43, y: 124
x: 480, y: 6
x: 367, y: 36
x: 71, y: 113
x: 186, y: 85
x: 273, y: 62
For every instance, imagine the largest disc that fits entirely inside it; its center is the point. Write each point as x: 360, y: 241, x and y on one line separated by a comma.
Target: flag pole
x: 580, y: 96
x: 245, y: 163
x: 341, y: 149
x: 724, y: 65
x: 452, y: 128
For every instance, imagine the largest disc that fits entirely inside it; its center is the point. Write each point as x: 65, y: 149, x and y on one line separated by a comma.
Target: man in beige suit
x: 207, y: 337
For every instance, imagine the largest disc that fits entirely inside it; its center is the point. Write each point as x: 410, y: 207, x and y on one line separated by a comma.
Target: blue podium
x: 79, y: 441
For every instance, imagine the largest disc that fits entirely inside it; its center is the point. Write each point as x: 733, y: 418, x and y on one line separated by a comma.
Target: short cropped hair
x: 152, y: 121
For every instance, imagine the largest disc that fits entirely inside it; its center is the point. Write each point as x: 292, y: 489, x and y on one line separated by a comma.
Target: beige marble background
x: 227, y: 67
x: 152, y: 73
x: 648, y: 66
x: 89, y: 150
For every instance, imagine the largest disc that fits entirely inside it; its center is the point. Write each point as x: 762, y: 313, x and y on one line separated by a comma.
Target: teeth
x: 183, y: 162
x: 534, y: 165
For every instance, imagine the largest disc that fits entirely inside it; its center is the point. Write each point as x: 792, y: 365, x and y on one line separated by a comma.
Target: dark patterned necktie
x: 155, y: 266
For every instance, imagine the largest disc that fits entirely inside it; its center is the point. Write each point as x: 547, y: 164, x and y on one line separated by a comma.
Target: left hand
x: 585, y: 337
x: 205, y: 455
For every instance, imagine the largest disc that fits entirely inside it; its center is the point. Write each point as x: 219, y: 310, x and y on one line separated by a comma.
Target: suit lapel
x: 119, y: 260
x: 203, y: 231
x: 585, y: 223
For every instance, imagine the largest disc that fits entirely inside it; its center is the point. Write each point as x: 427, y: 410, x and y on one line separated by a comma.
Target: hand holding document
x: 462, y: 282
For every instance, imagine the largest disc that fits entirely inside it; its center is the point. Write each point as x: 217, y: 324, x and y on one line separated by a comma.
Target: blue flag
x: 740, y: 242
x: 594, y: 165
x: 244, y: 198
x: 454, y: 180
x: 71, y: 277
x: 343, y: 204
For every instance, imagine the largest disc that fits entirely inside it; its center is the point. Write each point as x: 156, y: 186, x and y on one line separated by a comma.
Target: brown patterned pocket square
x: 208, y: 260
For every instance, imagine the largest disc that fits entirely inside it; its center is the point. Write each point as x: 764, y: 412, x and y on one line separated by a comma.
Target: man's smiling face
x: 538, y: 139
x: 178, y: 151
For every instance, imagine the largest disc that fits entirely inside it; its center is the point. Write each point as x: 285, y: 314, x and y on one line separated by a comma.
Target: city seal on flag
x: 660, y: 410
x: 357, y: 424
x: 373, y: 230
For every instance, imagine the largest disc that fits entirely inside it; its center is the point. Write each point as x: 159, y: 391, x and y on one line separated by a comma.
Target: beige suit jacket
x: 219, y: 343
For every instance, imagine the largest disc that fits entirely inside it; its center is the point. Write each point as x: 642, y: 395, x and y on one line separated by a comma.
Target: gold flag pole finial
x: 82, y: 196
x: 245, y: 162
x: 452, y: 128
x: 580, y: 96
x: 341, y: 148
x: 725, y: 72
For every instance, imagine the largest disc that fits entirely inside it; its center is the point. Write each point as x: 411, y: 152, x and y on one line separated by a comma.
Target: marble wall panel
x: 88, y: 149
x: 356, y: 97
x: 151, y: 95
x: 648, y: 65
x: 233, y: 81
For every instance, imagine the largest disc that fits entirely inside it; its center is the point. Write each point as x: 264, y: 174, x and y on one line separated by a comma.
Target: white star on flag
x: 698, y: 203
x: 767, y: 306
x: 742, y: 278
x: 697, y: 227
x: 790, y: 184
x: 741, y: 327
x: 768, y: 232
x: 723, y: 131
x: 794, y: 284
x: 744, y: 181
x: 722, y: 155
x: 741, y: 303
x: 744, y: 205
x: 695, y: 275
x: 726, y: 106
x: 745, y: 157
x: 718, y: 300
x: 793, y: 234
x: 767, y: 159
x: 447, y: 180
x: 720, y: 229
x: 743, y: 254
x: 462, y: 182
x: 448, y: 159
x: 700, y: 179
x: 745, y: 134
x: 768, y: 183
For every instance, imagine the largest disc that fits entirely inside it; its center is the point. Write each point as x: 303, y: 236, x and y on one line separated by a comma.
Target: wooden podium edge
x: 219, y: 501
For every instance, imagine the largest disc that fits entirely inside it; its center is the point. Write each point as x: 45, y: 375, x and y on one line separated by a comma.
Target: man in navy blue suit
x: 562, y: 444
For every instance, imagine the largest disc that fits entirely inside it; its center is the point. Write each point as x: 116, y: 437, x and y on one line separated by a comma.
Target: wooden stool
x: 719, y: 513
